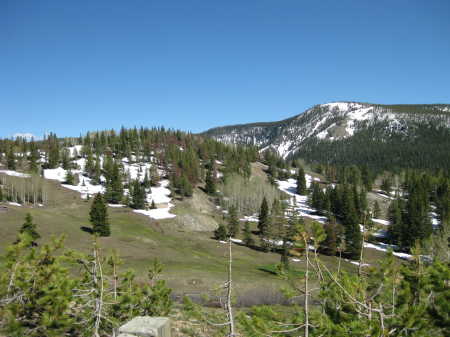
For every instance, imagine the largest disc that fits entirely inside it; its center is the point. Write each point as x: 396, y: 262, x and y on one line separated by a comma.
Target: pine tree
x: 70, y: 178
x: 11, y: 159
x: 317, y: 197
x: 301, y: 181
x: 29, y: 228
x: 99, y: 216
x: 233, y: 222
x: 114, y: 187
x: 65, y: 159
x: 53, y: 150
x: 188, y: 190
x: 248, y: 239
x: 330, y: 244
x: 221, y: 232
x: 90, y: 163
x: 154, y: 175
x: 210, y: 180
x: 263, y: 219
x: 350, y: 221
x: 39, y: 291
x: 33, y: 158
x: 138, y: 195
x: 146, y: 181
x: 97, y: 171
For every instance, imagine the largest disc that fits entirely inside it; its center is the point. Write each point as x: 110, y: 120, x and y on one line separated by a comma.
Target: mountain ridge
x: 332, y: 122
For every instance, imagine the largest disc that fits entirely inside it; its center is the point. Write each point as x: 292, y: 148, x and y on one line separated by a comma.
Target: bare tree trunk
x: 306, y: 290
x: 229, y: 292
x: 99, y: 299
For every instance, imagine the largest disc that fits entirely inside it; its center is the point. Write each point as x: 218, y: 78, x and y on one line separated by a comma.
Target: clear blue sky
x: 74, y: 66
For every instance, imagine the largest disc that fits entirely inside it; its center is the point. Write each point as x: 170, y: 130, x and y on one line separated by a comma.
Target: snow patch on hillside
x: 15, y: 173
x: 300, y: 202
x: 158, y: 213
x: 55, y: 174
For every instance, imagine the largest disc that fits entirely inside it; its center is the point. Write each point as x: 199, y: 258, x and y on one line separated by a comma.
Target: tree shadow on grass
x: 86, y: 229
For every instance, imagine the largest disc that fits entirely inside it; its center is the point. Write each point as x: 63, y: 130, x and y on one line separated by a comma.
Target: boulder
x: 144, y: 326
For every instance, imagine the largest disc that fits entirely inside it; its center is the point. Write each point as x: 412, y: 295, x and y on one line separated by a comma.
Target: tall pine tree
x: 99, y: 216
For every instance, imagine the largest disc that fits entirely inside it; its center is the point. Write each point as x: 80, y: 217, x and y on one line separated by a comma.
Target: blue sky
x: 74, y: 66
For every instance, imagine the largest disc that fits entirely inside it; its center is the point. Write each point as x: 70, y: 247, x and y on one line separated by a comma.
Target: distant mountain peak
x: 330, y: 122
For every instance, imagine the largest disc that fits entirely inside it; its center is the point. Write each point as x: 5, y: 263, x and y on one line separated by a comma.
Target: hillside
x: 383, y: 136
x: 189, y: 202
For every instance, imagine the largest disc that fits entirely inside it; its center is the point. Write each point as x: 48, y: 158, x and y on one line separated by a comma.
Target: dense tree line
x: 383, y: 149
x: 187, y: 160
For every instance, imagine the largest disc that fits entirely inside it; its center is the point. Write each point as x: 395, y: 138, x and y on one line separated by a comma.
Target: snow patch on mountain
x: 328, y: 122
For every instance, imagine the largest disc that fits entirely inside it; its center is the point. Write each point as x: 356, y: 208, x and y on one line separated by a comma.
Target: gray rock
x: 144, y: 326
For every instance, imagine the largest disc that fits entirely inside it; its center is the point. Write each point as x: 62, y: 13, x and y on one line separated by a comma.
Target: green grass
x: 274, y: 269
x: 193, y: 261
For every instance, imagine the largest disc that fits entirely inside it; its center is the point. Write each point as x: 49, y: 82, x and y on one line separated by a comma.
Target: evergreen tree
x: 34, y: 157
x: 11, y: 159
x: 97, y: 171
x: 350, y: 221
x: 146, y: 181
x: 70, y: 178
x: 396, y: 228
x: 263, y: 218
x: 221, y: 232
x: 333, y: 232
x: 154, y: 175
x: 114, y: 187
x: 37, y: 287
x: 29, y: 228
x: 153, y: 206
x: 233, y: 222
x: 53, y: 150
x: 90, y: 163
x: 301, y: 182
x: 248, y: 239
x: 138, y: 195
x: 210, y: 180
x: 65, y: 159
x: 99, y: 216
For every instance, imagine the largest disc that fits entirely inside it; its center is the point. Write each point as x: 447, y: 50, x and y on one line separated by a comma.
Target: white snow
x: 434, y: 219
x: 236, y: 240
x: 383, y: 247
x: 357, y: 263
x: 14, y: 204
x: 381, y: 221
x: 283, y: 148
x: 158, y: 213
x: 73, y: 149
x: 160, y: 195
x: 135, y: 170
x: 55, y: 174
x: 15, y: 173
x: 87, y: 189
x: 295, y: 260
x: 116, y: 205
x: 300, y: 202
x: 250, y: 218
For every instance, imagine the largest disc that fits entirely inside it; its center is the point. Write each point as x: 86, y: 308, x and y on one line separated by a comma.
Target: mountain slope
x: 342, y: 123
